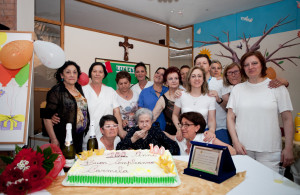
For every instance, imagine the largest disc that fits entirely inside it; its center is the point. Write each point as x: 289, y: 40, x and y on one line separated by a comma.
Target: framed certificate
x: 210, y: 162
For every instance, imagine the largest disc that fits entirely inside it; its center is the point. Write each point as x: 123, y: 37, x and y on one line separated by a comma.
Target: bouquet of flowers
x: 30, y: 170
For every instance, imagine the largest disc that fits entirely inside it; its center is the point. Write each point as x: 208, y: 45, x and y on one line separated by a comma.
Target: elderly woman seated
x: 192, y: 125
x: 144, y: 134
x: 109, y: 129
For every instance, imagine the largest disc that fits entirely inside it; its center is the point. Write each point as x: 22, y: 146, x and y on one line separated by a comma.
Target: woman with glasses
x: 166, y: 102
x: 232, y: 76
x: 196, y: 99
x: 192, y: 126
x: 144, y: 134
x: 109, y: 129
x: 150, y: 95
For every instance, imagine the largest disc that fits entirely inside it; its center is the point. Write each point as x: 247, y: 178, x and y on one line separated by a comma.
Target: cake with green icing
x: 123, y: 167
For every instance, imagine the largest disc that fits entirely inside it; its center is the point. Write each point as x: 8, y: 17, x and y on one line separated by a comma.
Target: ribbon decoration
x: 12, y: 119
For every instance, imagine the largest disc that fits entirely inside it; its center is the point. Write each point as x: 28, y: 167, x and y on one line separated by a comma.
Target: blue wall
x: 251, y: 22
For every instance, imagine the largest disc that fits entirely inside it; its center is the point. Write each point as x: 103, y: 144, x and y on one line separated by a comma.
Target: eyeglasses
x: 110, y: 126
x: 184, y: 125
x: 236, y: 72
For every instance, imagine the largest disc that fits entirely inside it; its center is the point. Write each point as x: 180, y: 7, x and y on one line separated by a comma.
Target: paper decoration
x: 22, y: 76
x: 11, y: 122
x: 2, y: 92
x: 5, y: 77
x: 108, y: 67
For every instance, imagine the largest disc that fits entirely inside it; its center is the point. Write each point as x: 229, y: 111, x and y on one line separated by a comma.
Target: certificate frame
x: 210, y: 162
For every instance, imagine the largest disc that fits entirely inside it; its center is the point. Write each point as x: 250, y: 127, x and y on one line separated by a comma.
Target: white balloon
x: 50, y: 54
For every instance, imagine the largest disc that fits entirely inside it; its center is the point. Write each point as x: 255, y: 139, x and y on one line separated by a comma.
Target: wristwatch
x: 220, y: 102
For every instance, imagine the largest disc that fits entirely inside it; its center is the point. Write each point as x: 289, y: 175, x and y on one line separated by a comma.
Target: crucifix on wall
x: 126, y: 46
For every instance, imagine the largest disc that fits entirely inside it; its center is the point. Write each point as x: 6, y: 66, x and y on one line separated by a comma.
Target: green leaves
x: 280, y: 62
x: 7, y: 159
x: 18, y: 149
x: 48, y: 163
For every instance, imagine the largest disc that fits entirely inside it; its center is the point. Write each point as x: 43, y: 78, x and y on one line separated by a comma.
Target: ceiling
x: 180, y: 13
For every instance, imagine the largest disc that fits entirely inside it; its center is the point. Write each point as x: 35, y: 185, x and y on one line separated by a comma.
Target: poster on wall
x: 16, y: 61
x: 115, y: 66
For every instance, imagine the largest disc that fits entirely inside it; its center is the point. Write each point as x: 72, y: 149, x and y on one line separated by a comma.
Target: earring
x: 62, y: 79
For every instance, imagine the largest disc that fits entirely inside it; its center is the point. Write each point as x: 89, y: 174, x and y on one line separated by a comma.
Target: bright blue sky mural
x: 251, y: 22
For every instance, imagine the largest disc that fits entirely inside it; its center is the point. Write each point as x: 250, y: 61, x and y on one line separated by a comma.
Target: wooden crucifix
x: 126, y: 46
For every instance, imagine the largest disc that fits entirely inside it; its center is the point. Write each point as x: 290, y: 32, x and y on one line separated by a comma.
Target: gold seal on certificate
x: 210, y: 162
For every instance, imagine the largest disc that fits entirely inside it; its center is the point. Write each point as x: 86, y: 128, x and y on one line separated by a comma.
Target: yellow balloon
x: 3, y: 38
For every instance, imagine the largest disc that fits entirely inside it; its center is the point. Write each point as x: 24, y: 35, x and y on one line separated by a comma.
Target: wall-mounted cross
x: 126, y: 46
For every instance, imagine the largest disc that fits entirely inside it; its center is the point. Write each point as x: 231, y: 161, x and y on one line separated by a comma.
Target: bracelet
x: 220, y: 102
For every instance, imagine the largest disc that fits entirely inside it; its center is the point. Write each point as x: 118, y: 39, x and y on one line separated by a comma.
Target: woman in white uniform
x: 252, y: 118
x: 102, y: 100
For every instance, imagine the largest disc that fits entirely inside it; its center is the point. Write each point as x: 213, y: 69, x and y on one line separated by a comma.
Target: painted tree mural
x: 256, y: 46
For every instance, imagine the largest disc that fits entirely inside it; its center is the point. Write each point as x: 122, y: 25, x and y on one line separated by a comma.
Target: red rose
x: 19, y: 187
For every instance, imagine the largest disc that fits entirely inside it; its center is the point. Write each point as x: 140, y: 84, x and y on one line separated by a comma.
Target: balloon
x: 83, y: 79
x: 16, y: 54
x: 5, y: 77
x: 271, y: 74
x: 23, y: 75
x: 50, y: 54
x: 3, y: 37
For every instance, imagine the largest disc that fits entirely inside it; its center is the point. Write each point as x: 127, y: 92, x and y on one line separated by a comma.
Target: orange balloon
x: 16, y: 54
x: 271, y: 74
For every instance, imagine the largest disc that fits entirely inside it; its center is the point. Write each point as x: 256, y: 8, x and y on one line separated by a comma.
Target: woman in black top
x: 144, y: 134
x: 166, y: 102
x: 67, y: 100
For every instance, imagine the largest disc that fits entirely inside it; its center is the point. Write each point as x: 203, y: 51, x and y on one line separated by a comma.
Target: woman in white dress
x: 127, y: 99
x: 102, y: 100
x: 252, y: 118
x: 109, y: 129
x: 140, y: 72
x: 196, y: 99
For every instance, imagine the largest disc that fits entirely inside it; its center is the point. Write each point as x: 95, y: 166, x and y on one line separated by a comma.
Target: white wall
x: 83, y: 46
x: 271, y: 43
x: 25, y: 15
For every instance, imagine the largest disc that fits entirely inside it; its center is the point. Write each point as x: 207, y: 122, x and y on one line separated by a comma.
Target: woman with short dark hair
x: 127, y: 99
x: 193, y: 125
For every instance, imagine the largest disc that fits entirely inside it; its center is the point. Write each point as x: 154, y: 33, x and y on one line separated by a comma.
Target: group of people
x: 238, y: 109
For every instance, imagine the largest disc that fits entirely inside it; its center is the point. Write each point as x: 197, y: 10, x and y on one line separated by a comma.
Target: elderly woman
x: 66, y: 99
x: 150, y: 95
x: 166, y: 102
x: 196, y: 99
x: 127, y: 99
x: 140, y: 72
x: 109, y: 129
x: 252, y: 118
x: 144, y: 134
x: 192, y: 125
